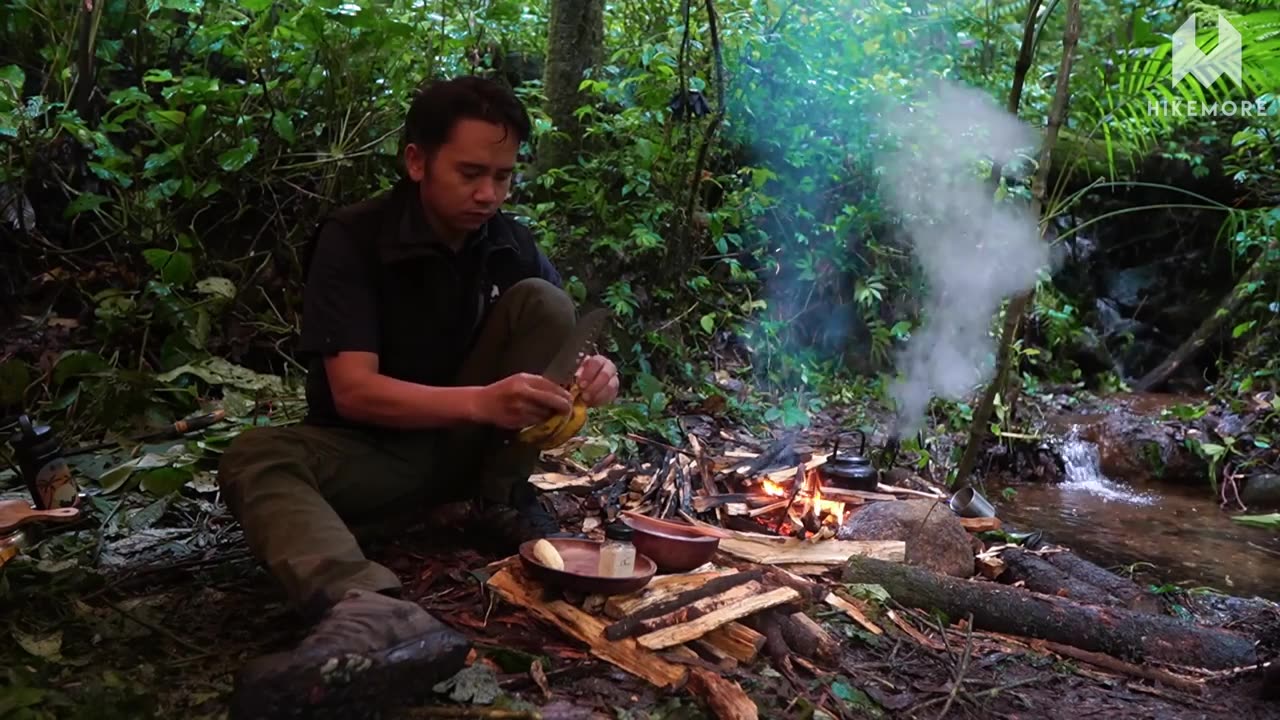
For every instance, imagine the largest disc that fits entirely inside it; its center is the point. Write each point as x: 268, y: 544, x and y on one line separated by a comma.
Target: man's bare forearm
x: 382, y: 400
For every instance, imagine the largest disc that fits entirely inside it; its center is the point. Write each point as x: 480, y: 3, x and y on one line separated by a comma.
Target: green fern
x: 1133, y: 107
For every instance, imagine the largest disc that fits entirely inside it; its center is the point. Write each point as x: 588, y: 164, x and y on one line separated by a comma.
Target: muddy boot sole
x: 355, y: 686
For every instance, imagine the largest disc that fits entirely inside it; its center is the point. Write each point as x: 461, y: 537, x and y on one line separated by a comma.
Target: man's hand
x: 598, y: 378
x: 521, y: 400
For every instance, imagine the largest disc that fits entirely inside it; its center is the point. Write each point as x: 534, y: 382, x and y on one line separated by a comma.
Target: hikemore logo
x: 1191, y: 64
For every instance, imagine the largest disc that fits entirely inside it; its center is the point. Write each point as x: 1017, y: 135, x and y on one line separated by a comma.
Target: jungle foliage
x: 164, y: 160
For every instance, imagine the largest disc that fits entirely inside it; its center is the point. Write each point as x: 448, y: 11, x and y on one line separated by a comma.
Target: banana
x: 546, y: 553
x: 556, y: 431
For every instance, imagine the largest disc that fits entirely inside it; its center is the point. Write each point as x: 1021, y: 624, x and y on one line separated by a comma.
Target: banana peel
x: 558, y: 429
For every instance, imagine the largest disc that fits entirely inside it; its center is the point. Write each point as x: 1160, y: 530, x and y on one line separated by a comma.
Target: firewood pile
x: 779, y: 561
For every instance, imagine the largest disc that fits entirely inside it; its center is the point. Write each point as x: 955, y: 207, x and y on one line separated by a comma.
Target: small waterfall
x: 1084, y: 473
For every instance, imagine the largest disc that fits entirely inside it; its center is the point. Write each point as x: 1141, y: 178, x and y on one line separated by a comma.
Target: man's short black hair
x: 440, y: 104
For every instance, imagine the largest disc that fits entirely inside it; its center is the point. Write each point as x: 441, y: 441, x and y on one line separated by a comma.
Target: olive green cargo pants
x: 298, y: 490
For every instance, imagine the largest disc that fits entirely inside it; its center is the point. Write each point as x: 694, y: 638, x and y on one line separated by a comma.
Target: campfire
x: 800, y: 510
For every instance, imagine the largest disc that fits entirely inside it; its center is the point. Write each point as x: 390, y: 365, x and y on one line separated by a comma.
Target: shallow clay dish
x: 581, y: 558
x: 673, y: 549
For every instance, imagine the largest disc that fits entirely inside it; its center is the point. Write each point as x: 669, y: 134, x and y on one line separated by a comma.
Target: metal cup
x: 970, y: 503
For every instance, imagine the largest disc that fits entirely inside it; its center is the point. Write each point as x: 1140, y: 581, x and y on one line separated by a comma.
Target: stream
x: 1178, y: 529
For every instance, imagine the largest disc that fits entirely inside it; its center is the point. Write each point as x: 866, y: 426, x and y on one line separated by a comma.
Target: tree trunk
x: 1018, y: 306
x: 1123, y: 634
x: 575, y: 44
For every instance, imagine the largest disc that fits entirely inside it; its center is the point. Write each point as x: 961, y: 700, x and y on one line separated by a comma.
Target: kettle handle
x: 861, y: 450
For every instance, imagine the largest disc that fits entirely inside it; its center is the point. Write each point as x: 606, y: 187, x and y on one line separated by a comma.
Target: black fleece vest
x: 431, y: 303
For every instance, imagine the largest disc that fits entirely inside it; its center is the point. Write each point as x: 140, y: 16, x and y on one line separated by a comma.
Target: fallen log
x: 1119, y: 632
x: 1127, y: 591
x: 1037, y: 575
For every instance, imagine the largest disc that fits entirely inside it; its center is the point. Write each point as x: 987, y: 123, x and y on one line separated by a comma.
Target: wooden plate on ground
x: 581, y: 558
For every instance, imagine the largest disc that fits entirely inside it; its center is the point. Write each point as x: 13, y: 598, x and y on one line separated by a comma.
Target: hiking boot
x: 366, y: 652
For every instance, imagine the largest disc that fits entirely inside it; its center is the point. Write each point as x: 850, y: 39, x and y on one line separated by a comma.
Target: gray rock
x: 1262, y: 491
x: 935, y: 538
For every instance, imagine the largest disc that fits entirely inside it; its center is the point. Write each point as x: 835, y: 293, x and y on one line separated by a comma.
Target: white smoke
x: 974, y: 252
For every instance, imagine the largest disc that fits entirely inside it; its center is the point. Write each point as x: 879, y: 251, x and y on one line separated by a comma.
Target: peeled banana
x: 546, y: 553
x: 557, y: 430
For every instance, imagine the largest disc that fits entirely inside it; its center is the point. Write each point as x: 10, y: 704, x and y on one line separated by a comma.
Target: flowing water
x: 1180, y: 530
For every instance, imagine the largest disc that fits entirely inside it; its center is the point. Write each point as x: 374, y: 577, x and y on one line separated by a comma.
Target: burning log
x: 1118, y: 632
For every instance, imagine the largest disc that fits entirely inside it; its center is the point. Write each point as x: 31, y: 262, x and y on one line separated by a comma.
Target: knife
x: 563, y: 366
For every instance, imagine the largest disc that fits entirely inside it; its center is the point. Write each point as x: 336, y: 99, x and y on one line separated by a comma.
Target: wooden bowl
x: 671, y: 547
x: 581, y: 558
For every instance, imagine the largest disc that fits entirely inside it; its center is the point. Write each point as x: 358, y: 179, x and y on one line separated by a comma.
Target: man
x: 427, y: 317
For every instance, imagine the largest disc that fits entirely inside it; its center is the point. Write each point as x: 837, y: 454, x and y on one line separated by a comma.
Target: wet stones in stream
x: 934, y: 536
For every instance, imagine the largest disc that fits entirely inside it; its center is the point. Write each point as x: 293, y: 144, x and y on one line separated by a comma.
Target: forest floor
x: 152, y: 615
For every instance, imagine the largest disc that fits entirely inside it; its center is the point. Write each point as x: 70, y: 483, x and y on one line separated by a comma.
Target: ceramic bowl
x: 672, y: 548
x: 581, y: 558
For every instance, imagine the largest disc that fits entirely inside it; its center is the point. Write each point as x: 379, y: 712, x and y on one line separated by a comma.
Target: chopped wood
x: 683, y: 633
x: 849, y: 607
x: 770, y: 508
x: 552, y: 481
x: 1107, y: 662
x: 784, y: 551
x: 782, y: 477
x: 852, y: 497
x: 723, y: 659
x: 981, y: 524
x: 703, y: 504
x: 688, y: 613
x: 808, y: 638
x: 908, y: 491
x: 682, y: 601
x: 512, y: 585
x: 661, y: 589
x: 741, y: 454
x: 725, y: 698
x: 989, y: 567
x: 734, y: 640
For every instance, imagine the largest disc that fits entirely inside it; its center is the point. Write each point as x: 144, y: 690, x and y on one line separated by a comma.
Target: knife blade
x: 565, y: 363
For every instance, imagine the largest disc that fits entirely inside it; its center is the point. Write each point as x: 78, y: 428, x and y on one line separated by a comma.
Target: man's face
x: 468, y: 178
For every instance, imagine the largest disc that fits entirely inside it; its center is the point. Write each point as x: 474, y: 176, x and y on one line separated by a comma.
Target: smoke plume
x: 974, y: 252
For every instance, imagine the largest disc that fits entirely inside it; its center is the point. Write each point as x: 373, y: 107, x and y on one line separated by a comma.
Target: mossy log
x: 1119, y: 632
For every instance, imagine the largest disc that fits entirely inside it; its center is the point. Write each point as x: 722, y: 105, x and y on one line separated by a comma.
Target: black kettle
x: 850, y: 471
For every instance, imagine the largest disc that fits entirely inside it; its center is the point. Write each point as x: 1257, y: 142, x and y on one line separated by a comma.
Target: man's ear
x: 416, y: 159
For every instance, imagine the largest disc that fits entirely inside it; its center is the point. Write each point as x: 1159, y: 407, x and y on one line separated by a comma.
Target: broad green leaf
x: 15, y: 376
x: 73, y: 363
x: 218, y: 371
x: 12, y: 79
x: 164, y: 480
x: 283, y: 127
x: 1263, y: 521
x: 83, y: 202
x: 236, y: 158
x: 255, y: 5
x: 708, y: 322
x: 217, y: 286
x: 174, y: 266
